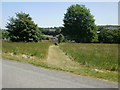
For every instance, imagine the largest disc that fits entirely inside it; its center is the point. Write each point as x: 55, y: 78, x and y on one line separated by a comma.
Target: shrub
x: 44, y: 37
x: 56, y: 43
x: 109, y: 36
x: 60, y: 38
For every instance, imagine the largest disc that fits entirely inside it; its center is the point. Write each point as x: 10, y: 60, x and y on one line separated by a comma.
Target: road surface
x: 22, y: 75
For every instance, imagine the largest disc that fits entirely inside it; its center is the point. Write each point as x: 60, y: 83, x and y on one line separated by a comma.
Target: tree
x: 0, y: 33
x: 55, y: 31
x: 109, y: 36
x: 5, y: 34
x: 22, y: 28
x: 79, y: 24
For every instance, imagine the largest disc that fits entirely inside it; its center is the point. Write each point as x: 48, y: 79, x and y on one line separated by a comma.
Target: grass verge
x: 106, y: 75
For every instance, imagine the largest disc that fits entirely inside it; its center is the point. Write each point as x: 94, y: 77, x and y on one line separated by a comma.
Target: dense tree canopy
x: 79, y: 24
x: 0, y: 32
x: 51, y: 31
x: 5, y: 34
x: 22, y: 28
x: 109, y: 36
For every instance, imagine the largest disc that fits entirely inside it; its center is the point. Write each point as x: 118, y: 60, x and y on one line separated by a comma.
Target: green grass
x: 38, y: 53
x: 58, y: 59
x: 39, y: 50
x: 102, y: 56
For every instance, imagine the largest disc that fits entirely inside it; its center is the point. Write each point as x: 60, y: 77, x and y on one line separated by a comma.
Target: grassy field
x: 80, y: 63
x: 62, y: 61
x: 26, y: 50
x: 102, y: 56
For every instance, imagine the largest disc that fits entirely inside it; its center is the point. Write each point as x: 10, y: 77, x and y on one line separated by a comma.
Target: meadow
x: 30, y: 49
x: 102, y: 56
x: 79, y: 59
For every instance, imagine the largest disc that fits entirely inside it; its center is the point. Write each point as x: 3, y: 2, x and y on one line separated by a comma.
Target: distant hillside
x: 51, y: 31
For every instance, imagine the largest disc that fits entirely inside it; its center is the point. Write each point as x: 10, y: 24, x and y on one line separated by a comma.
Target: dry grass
x: 58, y: 58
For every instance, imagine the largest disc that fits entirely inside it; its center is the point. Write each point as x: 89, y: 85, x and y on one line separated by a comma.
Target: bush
x: 44, y: 37
x: 60, y: 38
x: 5, y: 34
x: 109, y: 36
x: 56, y: 43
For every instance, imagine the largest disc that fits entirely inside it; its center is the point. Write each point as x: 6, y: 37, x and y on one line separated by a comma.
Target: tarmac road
x: 22, y: 75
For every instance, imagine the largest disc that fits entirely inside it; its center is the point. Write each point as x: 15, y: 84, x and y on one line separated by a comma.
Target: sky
x: 51, y: 14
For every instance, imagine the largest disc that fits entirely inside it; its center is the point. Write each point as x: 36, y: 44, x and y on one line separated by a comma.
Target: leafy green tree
x: 55, y: 31
x: 22, y: 28
x: 0, y: 33
x: 5, y: 34
x: 109, y: 36
x: 79, y: 24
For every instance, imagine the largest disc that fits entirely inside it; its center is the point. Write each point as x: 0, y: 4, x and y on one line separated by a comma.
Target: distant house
x: 112, y: 27
x: 98, y: 32
x: 51, y: 38
x: 52, y: 29
x: 107, y: 27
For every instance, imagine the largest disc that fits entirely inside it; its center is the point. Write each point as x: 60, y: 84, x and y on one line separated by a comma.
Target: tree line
x: 79, y: 26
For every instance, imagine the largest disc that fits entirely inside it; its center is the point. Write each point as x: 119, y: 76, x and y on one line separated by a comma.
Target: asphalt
x: 22, y: 75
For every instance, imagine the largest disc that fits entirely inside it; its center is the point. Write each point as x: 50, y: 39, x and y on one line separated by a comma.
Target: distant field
x: 102, y: 56
x: 39, y: 50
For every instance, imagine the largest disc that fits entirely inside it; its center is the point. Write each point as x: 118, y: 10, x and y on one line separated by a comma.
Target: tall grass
x: 103, y: 56
x: 39, y: 50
